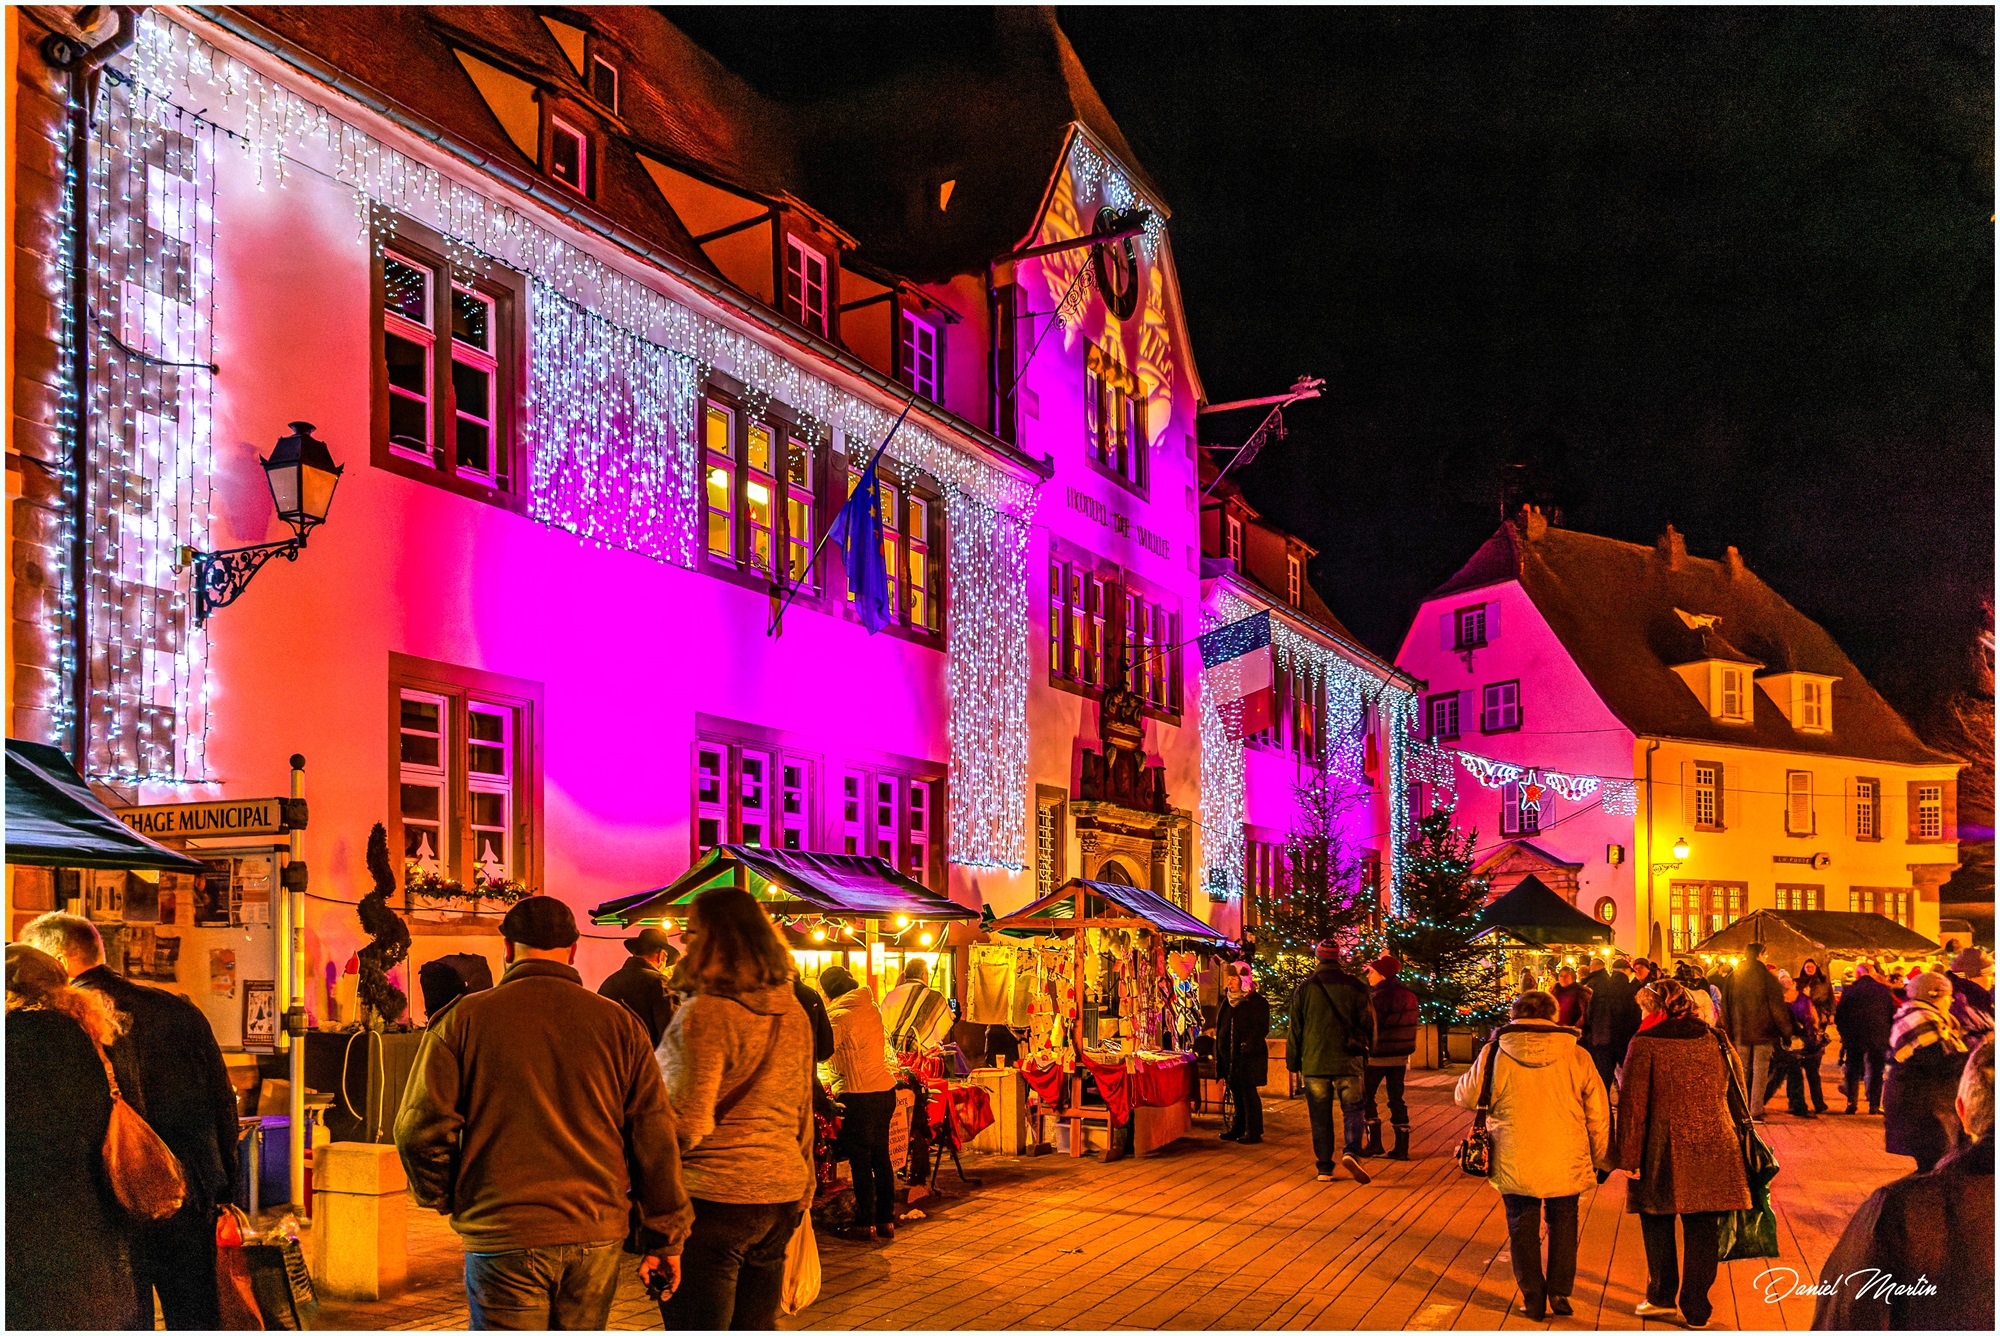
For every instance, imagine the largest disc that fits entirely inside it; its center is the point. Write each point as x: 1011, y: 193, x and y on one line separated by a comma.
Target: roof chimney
x: 1531, y: 523
x: 1735, y: 562
x: 1673, y: 548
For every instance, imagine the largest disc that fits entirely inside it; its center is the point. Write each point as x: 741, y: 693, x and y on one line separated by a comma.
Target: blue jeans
x: 1321, y: 1092
x: 733, y: 1267
x: 1854, y: 1062
x: 563, y: 1287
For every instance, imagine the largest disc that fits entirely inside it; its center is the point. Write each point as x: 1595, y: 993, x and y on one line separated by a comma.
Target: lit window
x: 805, y: 286
x: 1077, y: 601
x: 908, y: 538
x: 1867, y: 808
x: 798, y: 509
x: 407, y: 343
x: 441, y: 369
x: 1732, y: 693
x: 922, y: 368
x: 1501, y: 706
x: 1233, y: 539
x: 1472, y: 627
x: 569, y: 156
x: 758, y: 489
x: 1292, y: 580
x: 760, y: 497
x: 1930, y: 811
x: 1707, y: 795
x: 604, y: 83
x: 1812, y: 706
x: 474, y: 382
x: 916, y: 542
x: 1444, y: 716
x: 1798, y: 802
x: 1115, y: 418
x: 719, y: 435
x: 1150, y: 633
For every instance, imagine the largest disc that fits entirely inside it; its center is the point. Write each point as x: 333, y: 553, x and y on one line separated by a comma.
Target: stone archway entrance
x: 1116, y: 873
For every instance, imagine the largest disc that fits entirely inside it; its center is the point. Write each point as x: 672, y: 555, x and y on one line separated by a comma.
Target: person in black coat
x: 186, y: 1096
x: 1397, y: 1016
x: 640, y: 984
x: 1614, y: 1019
x: 68, y: 1247
x: 1242, y: 1059
x: 1863, y: 1015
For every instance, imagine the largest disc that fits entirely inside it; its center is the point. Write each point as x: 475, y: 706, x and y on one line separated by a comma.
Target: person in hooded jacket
x: 1971, y: 976
x: 1864, y: 1015
x: 738, y: 1062
x: 1919, y: 1093
x: 1396, y: 1020
x: 1242, y: 1058
x: 861, y: 1072
x: 1550, y: 1120
x: 1680, y: 1110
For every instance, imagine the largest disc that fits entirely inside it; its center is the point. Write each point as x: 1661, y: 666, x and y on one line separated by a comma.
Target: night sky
x: 1729, y: 269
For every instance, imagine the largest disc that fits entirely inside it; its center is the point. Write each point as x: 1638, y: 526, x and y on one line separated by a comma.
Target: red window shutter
x: 1948, y: 825
x: 1493, y: 621
x: 1447, y: 631
x: 1910, y: 809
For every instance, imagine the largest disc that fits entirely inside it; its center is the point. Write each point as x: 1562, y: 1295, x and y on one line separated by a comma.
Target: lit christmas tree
x: 1457, y: 982
x: 1324, y: 893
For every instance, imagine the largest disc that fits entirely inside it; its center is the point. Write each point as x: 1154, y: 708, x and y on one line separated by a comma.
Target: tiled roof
x: 1614, y: 607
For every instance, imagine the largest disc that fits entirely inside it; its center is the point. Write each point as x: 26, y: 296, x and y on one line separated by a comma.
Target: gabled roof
x: 1531, y: 912
x: 1613, y: 605
x: 834, y: 885
x: 1059, y: 908
x: 1824, y: 930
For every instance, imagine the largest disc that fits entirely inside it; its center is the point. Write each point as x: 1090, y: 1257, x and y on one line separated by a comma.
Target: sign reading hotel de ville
x: 181, y: 821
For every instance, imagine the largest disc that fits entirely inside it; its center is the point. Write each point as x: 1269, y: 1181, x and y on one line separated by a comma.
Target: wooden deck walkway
x: 1211, y: 1235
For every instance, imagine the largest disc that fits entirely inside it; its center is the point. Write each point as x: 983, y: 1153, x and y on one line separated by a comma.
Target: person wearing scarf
x: 1926, y: 1056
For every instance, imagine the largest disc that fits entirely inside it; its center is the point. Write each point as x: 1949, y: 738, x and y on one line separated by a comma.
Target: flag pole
x: 778, y: 611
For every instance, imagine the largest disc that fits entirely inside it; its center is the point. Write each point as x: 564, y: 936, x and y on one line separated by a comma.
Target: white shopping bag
x: 801, y: 1268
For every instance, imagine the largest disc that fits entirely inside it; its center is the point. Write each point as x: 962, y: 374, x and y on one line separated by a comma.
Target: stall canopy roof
x: 1537, y: 915
x: 1830, y: 931
x: 54, y: 820
x: 1166, y: 917
x: 789, y: 882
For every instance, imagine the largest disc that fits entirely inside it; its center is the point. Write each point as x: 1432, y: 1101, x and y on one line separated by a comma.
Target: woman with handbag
x: 862, y: 1074
x: 68, y: 1240
x: 1681, y: 1119
x: 738, y: 1065
x: 1549, y: 1121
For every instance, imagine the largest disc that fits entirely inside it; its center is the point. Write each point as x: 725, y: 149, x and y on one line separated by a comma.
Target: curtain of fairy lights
x: 611, y: 431
x: 148, y: 332
x: 281, y: 130
x: 988, y: 674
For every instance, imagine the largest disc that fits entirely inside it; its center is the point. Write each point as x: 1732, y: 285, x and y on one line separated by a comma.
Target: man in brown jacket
x: 536, y: 1116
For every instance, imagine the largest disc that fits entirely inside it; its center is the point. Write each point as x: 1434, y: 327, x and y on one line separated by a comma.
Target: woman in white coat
x: 1551, y: 1125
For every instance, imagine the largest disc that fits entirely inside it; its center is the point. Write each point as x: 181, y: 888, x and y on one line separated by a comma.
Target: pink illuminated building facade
x: 600, y: 335
x: 1594, y: 707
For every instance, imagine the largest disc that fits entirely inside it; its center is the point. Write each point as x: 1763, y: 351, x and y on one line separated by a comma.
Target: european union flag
x: 858, y: 530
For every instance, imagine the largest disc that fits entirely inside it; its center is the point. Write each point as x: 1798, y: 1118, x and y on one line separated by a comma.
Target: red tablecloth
x: 1111, y: 1084
x: 971, y: 1111
x: 1045, y: 1081
x: 1168, y: 1081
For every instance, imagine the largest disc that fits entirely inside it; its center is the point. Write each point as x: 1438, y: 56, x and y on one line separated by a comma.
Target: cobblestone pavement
x: 1208, y: 1235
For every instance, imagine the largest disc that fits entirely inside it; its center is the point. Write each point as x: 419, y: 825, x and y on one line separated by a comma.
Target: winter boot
x: 1374, y: 1143
x: 1401, y: 1150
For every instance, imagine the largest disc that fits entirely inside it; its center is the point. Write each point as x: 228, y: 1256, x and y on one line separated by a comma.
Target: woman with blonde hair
x: 738, y: 1063
x: 68, y: 1246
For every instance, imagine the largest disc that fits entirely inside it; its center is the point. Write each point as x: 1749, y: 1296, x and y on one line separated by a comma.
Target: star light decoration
x: 1349, y: 689
x: 613, y: 321
x: 147, y: 332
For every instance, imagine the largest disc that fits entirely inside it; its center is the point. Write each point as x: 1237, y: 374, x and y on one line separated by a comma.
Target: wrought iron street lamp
x: 302, y: 475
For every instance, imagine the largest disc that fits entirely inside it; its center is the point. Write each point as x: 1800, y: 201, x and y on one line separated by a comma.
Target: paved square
x: 1210, y: 1235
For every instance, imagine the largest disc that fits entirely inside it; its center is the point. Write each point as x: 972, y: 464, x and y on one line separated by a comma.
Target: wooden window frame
x: 1294, y: 578
x: 1112, y: 396
x: 808, y: 244
x: 1232, y: 539
x: 1431, y: 707
x: 785, y: 434
x: 907, y: 323
x: 462, y: 687
x: 414, y: 244
x: 1460, y: 618
x: 1870, y: 788
x: 594, y: 63
x: 1695, y: 767
x: 1485, y: 713
x: 896, y: 532
x: 1726, y: 673
x: 1919, y: 804
x: 557, y: 127
x: 1792, y: 794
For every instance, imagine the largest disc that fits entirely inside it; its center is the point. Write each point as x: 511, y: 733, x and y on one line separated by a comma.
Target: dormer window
x: 922, y: 368
x: 806, y: 286
x: 569, y: 156
x: 1812, y: 706
x: 1294, y: 577
x: 1730, y: 698
x: 1232, y: 539
x: 604, y: 83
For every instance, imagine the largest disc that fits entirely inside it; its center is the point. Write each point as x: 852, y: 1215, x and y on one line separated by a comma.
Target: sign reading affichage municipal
x: 180, y: 821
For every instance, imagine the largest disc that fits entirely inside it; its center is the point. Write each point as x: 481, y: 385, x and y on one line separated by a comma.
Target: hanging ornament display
x: 1490, y: 774
x: 1570, y: 788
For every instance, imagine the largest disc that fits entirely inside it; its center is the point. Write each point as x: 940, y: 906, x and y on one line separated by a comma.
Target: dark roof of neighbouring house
x: 1827, y: 929
x: 871, y: 161
x: 1534, y: 913
x: 1616, y: 606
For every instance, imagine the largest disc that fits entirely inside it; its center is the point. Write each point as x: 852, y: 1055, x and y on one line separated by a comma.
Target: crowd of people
x: 1666, y: 1078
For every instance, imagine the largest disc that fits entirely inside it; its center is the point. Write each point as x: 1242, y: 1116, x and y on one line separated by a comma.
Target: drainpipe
x: 84, y: 65
x: 1647, y: 935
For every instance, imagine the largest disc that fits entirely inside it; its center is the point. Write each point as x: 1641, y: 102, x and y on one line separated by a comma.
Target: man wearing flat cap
x: 536, y: 1118
x: 640, y: 984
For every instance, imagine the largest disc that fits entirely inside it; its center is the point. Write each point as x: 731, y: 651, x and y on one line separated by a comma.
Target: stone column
x: 360, y: 1246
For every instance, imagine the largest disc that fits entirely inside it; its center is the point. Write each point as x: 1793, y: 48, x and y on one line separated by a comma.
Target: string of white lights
x: 987, y: 671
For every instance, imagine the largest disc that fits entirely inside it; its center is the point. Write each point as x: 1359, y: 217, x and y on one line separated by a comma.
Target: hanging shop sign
x: 236, y: 816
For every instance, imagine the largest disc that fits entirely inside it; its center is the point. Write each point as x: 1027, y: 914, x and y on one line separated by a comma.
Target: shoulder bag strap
x: 109, y: 1075
x: 1736, y: 1083
x: 730, y: 1100
x: 1486, y: 1085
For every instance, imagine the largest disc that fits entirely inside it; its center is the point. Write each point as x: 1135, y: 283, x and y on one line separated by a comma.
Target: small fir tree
x: 390, y: 936
x: 1456, y: 981
x: 1325, y: 892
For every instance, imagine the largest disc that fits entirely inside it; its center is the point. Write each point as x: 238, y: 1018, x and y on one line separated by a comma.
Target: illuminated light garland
x: 1221, y: 794
x: 1573, y: 788
x: 611, y: 430
x: 1433, y: 765
x: 1093, y: 175
x: 1618, y: 797
x: 148, y: 485
x: 987, y: 670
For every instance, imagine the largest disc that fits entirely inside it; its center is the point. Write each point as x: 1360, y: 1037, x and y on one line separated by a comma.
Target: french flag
x: 1236, y: 664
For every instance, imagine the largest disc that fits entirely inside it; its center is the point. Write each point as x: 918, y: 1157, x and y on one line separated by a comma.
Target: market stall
x: 1834, y: 938
x: 1534, y: 932
x: 1103, y: 976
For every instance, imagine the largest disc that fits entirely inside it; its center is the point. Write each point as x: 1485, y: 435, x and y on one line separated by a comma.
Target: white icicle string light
x: 148, y: 487
x: 988, y: 675
x: 1221, y: 795
x: 1095, y: 177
